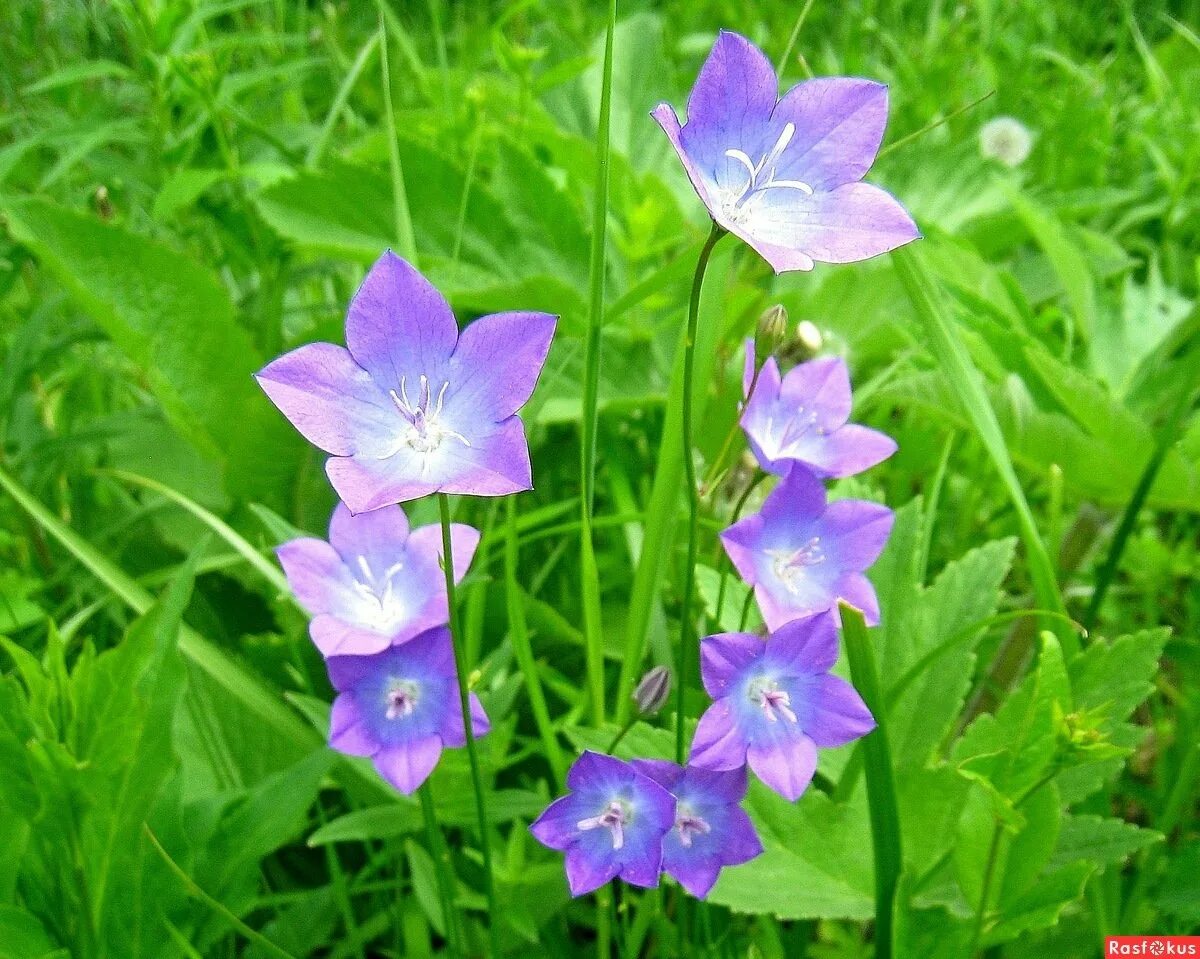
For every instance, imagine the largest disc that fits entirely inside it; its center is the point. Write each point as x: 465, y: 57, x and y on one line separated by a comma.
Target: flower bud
x: 652, y: 692
x: 809, y: 338
x: 771, y: 332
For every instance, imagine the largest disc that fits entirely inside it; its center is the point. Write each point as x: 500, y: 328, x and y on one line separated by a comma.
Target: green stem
x: 881, y: 786
x: 693, y: 494
x: 442, y: 868
x: 464, y: 702
x: 592, y: 623
x: 737, y: 514
x: 400, y: 213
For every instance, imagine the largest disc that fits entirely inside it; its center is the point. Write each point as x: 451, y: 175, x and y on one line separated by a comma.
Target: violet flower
x: 775, y: 702
x: 374, y: 583
x: 400, y: 707
x: 784, y: 175
x: 802, y: 418
x: 611, y: 824
x: 711, y: 830
x: 802, y: 556
x: 412, y: 407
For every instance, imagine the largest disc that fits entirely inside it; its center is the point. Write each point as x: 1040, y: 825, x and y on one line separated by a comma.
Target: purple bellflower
x: 801, y: 418
x: 775, y: 702
x: 412, y: 407
x: 785, y: 174
x: 802, y: 555
x: 374, y: 583
x: 400, y: 707
x: 611, y: 824
x: 711, y: 830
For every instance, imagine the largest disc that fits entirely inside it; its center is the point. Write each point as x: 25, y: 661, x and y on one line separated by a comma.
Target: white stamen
x: 790, y: 566
x: 736, y: 200
x: 773, y: 701
x: 613, y: 819
x: 689, y: 825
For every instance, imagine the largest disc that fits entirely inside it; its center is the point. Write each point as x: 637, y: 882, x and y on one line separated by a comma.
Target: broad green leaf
x: 1100, y: 840
x: 1041, y: 905
x: 22, y: 936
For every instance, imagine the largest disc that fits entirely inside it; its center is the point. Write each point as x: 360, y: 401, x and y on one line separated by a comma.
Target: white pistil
x: 790, y: 566
x: 773, y: 701
x: 736, y: 200
x: 424, y: 433
x: 378, y: 591
x: 614, y: 818
x: 401, y: 698
x: 689, y: 825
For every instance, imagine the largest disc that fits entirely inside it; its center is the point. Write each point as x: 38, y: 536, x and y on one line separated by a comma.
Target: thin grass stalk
x: 464, y: 701
x: 405, y: 238
x: 683, y: 669
x: 442, y: 868
x: 592, y: 622
x: 881, y: 785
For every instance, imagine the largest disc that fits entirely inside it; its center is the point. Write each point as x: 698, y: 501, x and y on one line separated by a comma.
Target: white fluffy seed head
x: 1005, y: 139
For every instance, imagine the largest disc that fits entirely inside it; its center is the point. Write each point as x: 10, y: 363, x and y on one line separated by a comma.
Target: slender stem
x: 989, y: 873
x: 689, y: 469
x: 592, y: 623
x: 464, y: 701
x: 693, y: 494
x: 737, y: 514
x: 881, y: 786
x: 400, y: 213
x: 621, y: 733
x: 442, y: 868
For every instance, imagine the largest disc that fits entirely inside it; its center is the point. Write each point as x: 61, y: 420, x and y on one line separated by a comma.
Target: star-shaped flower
x: 775, y: 702
x: 412, y: 407
x: 785, y: 175
x: 374, y: 583
x: 802, y: 418
x: 611, y: 824
x: 400, y: 707
x: 802, y: 555
x: 711, y: 830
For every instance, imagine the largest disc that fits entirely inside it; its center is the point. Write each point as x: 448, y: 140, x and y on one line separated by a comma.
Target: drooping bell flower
x: 775, y: 702
x: 711, y: 830
x: 412, y: 407
x: 400, y: 707
x: 785, y: 175
x: 374, y: 583
x: 611, y: 824
x: 802, y: 417
x: 802, y: 555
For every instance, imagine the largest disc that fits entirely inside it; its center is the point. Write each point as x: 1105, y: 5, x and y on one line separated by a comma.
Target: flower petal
x: 848, y: 451
x: 839, y: 125
x: 839, y: 715
x: 587, y: 872
x: 379, y: 537
x: 558, y: 825
x: 330, y: 399
x: 496, y: 366
x: 717, y: 743
x: 335, y: 637
x: 594, y: 769
x: 494, y: 465
x: 399, y: 327
x: 857, y: 530
x: 786, y: 765
x: 804, y: 646
x: 407, y: 766
x: 464, y: 540
x: 368, y: 483
x: 453, y: 732
x: 857, y: 590
x: 347, y: 732
x: 724, y: 656
x: 315, y: 574
x: 820, y: 387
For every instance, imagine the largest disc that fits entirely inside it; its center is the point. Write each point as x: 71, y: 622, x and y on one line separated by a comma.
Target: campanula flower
x: 802, y: 555
x: 801, y: 418
x: 400, y: 707
x: 775, y: 702
x: 785, y: 175
x: 711, y: 830
x: 374, y: 583
x: 611, y: 824
x: 412, y: 407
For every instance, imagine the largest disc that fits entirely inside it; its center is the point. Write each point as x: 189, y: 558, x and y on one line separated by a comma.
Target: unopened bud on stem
x: 652, y: 692
x: 771, y: 332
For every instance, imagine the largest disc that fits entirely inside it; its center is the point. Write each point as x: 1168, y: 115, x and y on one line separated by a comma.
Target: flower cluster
x: 410, y: 408
x: 784, y: 175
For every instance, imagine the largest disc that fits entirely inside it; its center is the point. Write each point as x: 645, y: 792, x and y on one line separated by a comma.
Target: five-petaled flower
x: 775, y: 702
x: 411, y: 407
x: 374, y: 583
x: 801, y: 418
x: 611, y: 824
x: 802, y: 555
x: 785, y: 174
x: 711, y: 830
x: 400, y: 707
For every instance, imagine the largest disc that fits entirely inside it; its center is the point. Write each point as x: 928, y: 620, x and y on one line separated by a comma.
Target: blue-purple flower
x: 775, y: 702
x: 374, y: 583
x: 412, y: 407
x: 785, y: 174
x: 802, y: 555
x: 711, y: 830
x: 400, y: 707
x: 802, y: 418
x: 611, y: 824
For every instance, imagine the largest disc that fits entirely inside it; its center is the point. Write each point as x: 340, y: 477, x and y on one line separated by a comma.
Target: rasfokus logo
x: 1153, y: 946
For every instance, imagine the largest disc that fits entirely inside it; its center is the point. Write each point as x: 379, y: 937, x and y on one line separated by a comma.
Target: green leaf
x: 1117, y: 675
x: 1100, y: 840
x: 23, y: 937
x: 174, y: 320
x: 424, y: 881
x: 1040, y: 906
x: 403, y: 817
x: 643, y: 741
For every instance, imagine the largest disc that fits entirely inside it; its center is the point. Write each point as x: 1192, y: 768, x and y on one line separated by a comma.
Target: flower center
x: 614, y: 818
x: 424, y: 433
x: 794, y: 427
x: 773, y: 701
x: 689, y: 825
x: 382, y: 606
x: 760, y: 177
x: 790, y: 566
x: 401, y: 697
